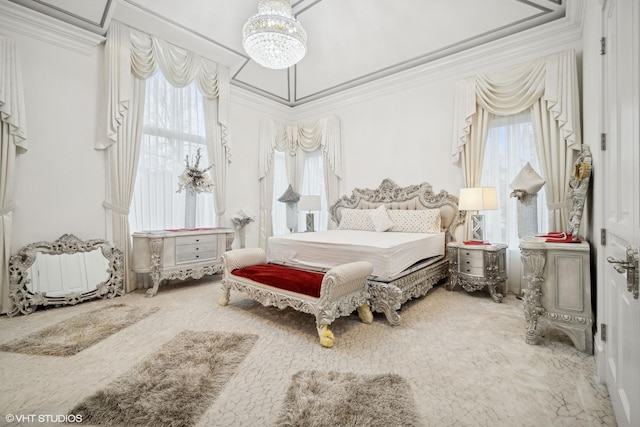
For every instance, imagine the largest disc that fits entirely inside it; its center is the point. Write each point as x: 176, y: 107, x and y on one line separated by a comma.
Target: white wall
x: 60, y: 180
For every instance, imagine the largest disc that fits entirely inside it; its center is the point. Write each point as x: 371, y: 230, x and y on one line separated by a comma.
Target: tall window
x: 312, y: 184
x: 173, y: 129
x: 510, y: 145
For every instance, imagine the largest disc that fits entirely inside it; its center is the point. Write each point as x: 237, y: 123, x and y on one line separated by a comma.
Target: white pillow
x: 380, y: 219
x: 527, y: 180
x: 416, y: 221
x: 356, y: 219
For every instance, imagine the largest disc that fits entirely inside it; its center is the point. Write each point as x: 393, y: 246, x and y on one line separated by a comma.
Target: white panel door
x: 621, y: 66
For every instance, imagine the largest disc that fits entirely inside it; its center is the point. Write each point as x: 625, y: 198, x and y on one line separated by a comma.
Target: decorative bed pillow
x: 356, y: 219
x: 416, y: 221
x: 380, y: 218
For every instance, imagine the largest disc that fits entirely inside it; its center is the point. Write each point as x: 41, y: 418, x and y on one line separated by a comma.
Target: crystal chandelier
x: 274, y: 38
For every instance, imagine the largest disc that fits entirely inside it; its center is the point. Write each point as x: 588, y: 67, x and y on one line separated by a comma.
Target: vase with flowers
x: 193, y: 180
x: 240, y: 220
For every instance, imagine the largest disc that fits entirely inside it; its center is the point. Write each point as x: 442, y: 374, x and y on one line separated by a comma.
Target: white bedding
x: 390, y: 253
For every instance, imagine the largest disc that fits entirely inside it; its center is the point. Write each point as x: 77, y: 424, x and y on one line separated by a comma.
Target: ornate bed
x: 388, y: 288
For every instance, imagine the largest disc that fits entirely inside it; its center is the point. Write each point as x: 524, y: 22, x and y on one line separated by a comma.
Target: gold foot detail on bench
x: 326, y: 336
x: 224, y: 298
x: 365, y: 315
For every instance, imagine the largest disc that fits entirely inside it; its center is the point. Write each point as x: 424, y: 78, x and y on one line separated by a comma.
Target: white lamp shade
x: 309, y: 203
x: 478, y: 199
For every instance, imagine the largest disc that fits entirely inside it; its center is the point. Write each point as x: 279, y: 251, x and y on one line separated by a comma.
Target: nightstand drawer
x: 462, y: 253
x: 471, y: 262
x: 471, y: 271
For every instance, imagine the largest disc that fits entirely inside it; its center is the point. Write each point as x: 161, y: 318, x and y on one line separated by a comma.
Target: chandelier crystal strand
x: 274, y: 38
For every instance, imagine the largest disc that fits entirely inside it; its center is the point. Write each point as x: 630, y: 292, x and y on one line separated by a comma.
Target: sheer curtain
x: 173, y: 129
x: 312, y: 184
x: 510, y: 145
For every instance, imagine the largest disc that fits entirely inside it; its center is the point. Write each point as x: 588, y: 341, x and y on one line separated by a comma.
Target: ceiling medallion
x: 274, y: 38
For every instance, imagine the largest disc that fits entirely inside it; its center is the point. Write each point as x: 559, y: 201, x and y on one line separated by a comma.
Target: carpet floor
x: 463, y: 356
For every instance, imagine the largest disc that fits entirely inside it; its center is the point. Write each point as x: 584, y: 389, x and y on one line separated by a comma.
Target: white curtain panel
x: 132, y: 56
x: 13, y: 137
x: 552, y: 81
x: 295, y: 140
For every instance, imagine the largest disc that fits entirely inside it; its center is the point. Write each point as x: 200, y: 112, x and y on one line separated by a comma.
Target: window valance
x: 307, y: 137
x: 554, y: 79
x: 131, y: 52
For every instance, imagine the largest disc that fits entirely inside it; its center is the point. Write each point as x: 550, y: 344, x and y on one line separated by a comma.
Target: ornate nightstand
x: 474, y: 267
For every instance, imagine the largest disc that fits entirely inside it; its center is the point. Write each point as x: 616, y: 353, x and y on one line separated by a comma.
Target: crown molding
x: 517, y: 48
x: 22, y: 20
x: 249, y: 99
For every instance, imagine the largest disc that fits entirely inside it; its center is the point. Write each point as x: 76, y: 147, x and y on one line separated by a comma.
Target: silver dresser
x: 183, y: 254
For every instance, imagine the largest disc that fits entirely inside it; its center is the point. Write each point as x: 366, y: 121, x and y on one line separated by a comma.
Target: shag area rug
x: 320, y: 399
x: 77, y: 333
x: 172, y: 387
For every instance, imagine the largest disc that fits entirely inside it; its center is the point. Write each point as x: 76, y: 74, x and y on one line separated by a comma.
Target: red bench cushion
x: 282, y: 277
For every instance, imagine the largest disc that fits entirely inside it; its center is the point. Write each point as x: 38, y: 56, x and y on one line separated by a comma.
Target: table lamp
x: 309, y: 204
x: 478, y: 199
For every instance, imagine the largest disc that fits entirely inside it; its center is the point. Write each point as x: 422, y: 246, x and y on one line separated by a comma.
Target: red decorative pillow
x: 281, y: 277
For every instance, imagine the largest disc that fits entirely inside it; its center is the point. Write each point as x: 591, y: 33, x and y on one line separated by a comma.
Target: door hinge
x: 603, y: 44
x: 603, y: 141
x: 603, y: 332
x: 603, y: 236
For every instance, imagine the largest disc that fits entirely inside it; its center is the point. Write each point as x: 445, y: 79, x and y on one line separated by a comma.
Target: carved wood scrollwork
x: 533, y: 261
x: 26, y: 300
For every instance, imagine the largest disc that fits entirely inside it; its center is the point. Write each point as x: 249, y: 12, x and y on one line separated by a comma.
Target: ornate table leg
x: 533, y: 262
x: 494, y: 277
x: 156, y: 276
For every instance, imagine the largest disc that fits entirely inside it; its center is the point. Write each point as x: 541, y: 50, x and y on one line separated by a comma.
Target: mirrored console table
x: 181, y: 254
x: 558, y: 293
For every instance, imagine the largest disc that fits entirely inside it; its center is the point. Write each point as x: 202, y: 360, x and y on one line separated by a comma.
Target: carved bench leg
x: 365, y: 315
x: 326, y: 336
x: 224, y: 297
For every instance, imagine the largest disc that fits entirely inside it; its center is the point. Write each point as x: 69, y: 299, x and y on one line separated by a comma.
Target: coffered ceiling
x: 351, y: 42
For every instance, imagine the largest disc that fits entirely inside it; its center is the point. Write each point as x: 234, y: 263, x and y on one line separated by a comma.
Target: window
x: 173, y: 129
x: 510, y: 145
x: 312, y: 184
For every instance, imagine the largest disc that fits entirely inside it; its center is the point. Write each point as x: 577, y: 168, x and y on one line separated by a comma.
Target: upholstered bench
x: 338, y: 292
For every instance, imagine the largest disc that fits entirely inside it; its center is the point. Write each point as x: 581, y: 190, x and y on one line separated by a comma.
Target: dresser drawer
x: 195, y: 248
x: 194, y: 240
x: 471, y: 271
x: 195, y: 256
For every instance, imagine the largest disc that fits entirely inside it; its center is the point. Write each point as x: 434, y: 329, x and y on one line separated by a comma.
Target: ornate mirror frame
x: 26, y: 301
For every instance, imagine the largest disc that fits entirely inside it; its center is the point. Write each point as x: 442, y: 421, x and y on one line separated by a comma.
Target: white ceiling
x: 351, y: 42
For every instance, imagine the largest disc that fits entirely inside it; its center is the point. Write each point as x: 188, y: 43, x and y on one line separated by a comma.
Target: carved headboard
x: 412, y: 197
